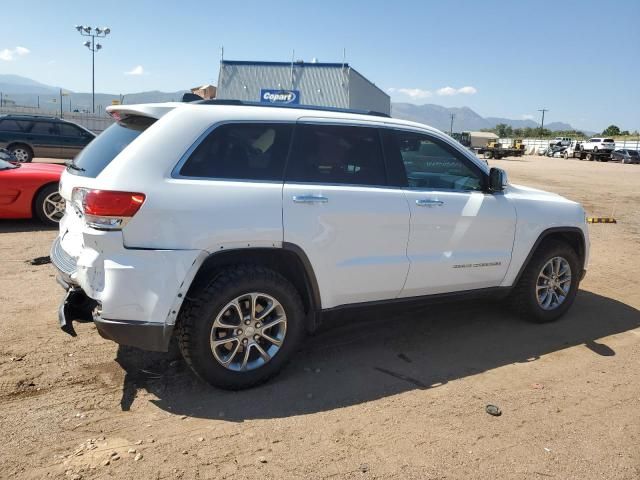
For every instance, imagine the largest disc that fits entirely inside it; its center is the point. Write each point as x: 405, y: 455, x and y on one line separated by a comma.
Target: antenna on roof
x: 344, y: 57
x: 222, y: 53
x: 293, y: 58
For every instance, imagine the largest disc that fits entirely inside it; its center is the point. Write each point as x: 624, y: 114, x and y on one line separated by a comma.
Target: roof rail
x: 299, y: 107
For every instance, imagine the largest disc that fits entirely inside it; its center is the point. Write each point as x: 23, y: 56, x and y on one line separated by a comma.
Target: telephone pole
x: 543, y: 110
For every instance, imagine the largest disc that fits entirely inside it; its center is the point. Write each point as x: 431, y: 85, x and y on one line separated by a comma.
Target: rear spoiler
x: 151, y: 110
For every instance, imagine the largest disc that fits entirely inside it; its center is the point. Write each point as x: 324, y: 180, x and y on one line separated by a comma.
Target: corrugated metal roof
x: 322, y: 84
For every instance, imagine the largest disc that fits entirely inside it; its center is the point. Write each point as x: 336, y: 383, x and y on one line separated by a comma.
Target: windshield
x: 105, y: 147
x: 6, y: 165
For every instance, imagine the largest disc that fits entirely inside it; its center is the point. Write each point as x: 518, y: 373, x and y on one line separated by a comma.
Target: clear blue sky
x: 579, y: 59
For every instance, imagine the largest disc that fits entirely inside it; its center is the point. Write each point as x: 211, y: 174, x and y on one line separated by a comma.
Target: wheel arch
x: 290, y: 261
x: 573, y: 236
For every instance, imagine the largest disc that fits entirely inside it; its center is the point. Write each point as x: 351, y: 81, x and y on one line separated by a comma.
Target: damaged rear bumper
x: 78, y: 307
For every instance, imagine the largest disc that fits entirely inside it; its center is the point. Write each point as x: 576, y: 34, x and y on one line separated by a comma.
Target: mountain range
x: 465, y: 119
x: 23, y: 91
x: 27, y: 92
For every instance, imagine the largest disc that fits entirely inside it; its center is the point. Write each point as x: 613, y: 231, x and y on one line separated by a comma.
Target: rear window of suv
x: 95, y: 157
x: 608, y: 140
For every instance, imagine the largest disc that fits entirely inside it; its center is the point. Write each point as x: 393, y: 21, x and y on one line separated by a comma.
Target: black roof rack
x: 29, y: 116
x: 299, y: 107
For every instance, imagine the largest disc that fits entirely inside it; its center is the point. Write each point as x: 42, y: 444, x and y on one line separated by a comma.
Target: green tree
x: 611, y: 130
x: 503, y: 130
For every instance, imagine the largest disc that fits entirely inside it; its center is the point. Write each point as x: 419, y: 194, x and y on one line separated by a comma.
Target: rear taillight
x: 106, y: 209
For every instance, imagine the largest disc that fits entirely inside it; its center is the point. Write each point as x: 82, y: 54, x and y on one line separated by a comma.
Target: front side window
x: 242, y: 151
x: 430, y: 164
x: 334, y: 154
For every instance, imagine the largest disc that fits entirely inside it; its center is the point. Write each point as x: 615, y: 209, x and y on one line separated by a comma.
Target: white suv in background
x: 599, y: 143
x: 237, y: 228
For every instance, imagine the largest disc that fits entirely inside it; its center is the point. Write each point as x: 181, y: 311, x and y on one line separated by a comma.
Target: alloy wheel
x: 553, y: 283
x: 21, y: 154
x: 54, y: 206
x: 248, y: 332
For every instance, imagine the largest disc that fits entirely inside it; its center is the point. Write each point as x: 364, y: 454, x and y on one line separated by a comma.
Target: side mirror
x: 497, y: 179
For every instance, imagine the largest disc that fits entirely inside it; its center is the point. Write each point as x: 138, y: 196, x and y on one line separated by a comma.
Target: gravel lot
x: 399, y: 396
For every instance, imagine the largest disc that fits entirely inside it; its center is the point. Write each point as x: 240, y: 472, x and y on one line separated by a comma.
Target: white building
x: 335, y: 85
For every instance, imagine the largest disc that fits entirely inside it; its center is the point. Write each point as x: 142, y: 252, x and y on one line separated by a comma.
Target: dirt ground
x: 400, y: 396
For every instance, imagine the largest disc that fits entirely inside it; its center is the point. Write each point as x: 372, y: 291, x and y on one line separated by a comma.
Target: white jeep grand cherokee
x: 236, y: 228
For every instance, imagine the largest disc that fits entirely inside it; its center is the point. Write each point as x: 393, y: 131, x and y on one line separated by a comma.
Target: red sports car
x: 30, y: 190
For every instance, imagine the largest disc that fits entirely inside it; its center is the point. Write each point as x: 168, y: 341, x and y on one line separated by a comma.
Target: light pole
x: 97, y: 32
x: 64, y: 94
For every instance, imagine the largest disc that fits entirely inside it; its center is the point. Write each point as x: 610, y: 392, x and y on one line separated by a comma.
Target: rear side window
x: 105, y: 147
x: 608, y: 140
x: 241, y: 151
x: 336, y: 154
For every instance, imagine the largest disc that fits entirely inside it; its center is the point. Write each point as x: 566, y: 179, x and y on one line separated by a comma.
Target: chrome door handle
x: 429, y: 203
x: 310, y: 199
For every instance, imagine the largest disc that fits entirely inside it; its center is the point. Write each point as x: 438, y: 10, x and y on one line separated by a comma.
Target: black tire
x: 41, y: 208
x: 202, y: 306
x: 488, y: 155
x: 23, y: 153
x: 566, y: 156
x: 590, y: 157
x: 524, y: 299
x: 595, y: 149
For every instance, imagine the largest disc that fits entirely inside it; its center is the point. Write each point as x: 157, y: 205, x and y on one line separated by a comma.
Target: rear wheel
x: 549, y: 284
x: 488, y: 155
x: 242, y: 328
x: 566, y: 156
x: 590, y: 157
x: 23, y: 153
x: 49, y: 205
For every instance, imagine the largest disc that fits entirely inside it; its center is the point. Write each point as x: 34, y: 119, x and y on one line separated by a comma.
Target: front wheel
x: 549, y: 284
x: 488, y: 155
x: 242, y: 328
